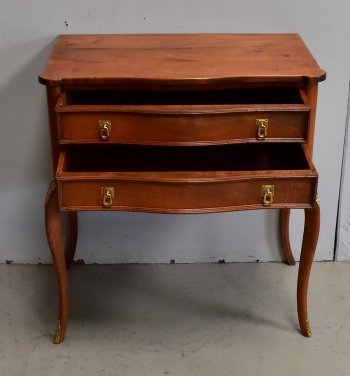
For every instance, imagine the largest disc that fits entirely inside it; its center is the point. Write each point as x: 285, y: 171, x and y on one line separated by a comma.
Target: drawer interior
x: 203, y: 97
x: 244, y: 157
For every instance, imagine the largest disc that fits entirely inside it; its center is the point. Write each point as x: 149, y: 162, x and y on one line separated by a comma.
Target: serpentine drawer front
x: 155, y: 117
x: 189, y: 123
x: 186, y: 180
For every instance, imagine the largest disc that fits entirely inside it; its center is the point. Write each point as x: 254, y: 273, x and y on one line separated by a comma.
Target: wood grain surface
x: 181, y: 58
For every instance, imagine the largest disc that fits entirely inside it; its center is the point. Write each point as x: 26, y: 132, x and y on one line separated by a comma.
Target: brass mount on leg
x: 308, y: 328
x: 50, y: 190
x: 317, y: 200
x: 57, y: 337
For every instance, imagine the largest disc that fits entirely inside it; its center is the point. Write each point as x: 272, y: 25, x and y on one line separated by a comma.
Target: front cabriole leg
x: 55, y: 240
x: 311, y: 231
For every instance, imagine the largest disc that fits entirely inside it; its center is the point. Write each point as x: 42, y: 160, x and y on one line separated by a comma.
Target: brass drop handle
x: 262, y: 125
x: 268, y: 193
x: 105, y: 127
x: 107, y: 195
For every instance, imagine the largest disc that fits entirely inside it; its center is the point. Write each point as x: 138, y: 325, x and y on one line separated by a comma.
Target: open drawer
x: 185, y: 180
x: 183, y: 118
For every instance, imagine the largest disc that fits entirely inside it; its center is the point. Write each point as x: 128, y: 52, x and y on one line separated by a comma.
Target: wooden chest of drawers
x: 181, y: 124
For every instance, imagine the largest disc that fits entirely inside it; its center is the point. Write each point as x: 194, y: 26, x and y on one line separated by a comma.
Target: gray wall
x: 27, y: 30
x: 343, y: 227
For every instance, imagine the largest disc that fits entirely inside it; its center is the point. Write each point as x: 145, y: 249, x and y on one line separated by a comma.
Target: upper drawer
x: 183, y: 118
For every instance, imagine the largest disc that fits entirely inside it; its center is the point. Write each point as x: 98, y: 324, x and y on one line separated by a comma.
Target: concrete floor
x: 199, y: 319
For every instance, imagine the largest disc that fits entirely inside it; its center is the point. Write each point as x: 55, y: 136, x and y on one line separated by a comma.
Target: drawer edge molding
x: 186, y: 211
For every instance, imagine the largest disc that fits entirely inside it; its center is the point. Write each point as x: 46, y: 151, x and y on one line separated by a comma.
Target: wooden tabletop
x: 181, y: 58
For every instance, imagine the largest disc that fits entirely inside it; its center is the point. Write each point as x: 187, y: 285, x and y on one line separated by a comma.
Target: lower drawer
x: 186, y: 180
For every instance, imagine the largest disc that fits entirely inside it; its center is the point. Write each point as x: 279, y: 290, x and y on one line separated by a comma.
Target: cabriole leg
x: 72, y: 240
x: 311, y: 230
x: 284, y: 228
x: 55, y: 240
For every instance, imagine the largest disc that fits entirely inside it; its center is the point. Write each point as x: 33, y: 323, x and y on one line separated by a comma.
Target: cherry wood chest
x: 189, y: 123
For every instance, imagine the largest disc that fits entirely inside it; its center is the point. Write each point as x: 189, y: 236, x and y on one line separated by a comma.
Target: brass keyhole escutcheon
x: 107, y: 195
x: 268, y: 193
x: 105, y: 127
x: 262, y: 125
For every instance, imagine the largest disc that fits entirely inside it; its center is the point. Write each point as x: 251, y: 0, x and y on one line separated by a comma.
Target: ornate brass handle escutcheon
x: 262, y: 125
x: 107, y: 195
x: 268, y: 193
x: 105, y: 127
